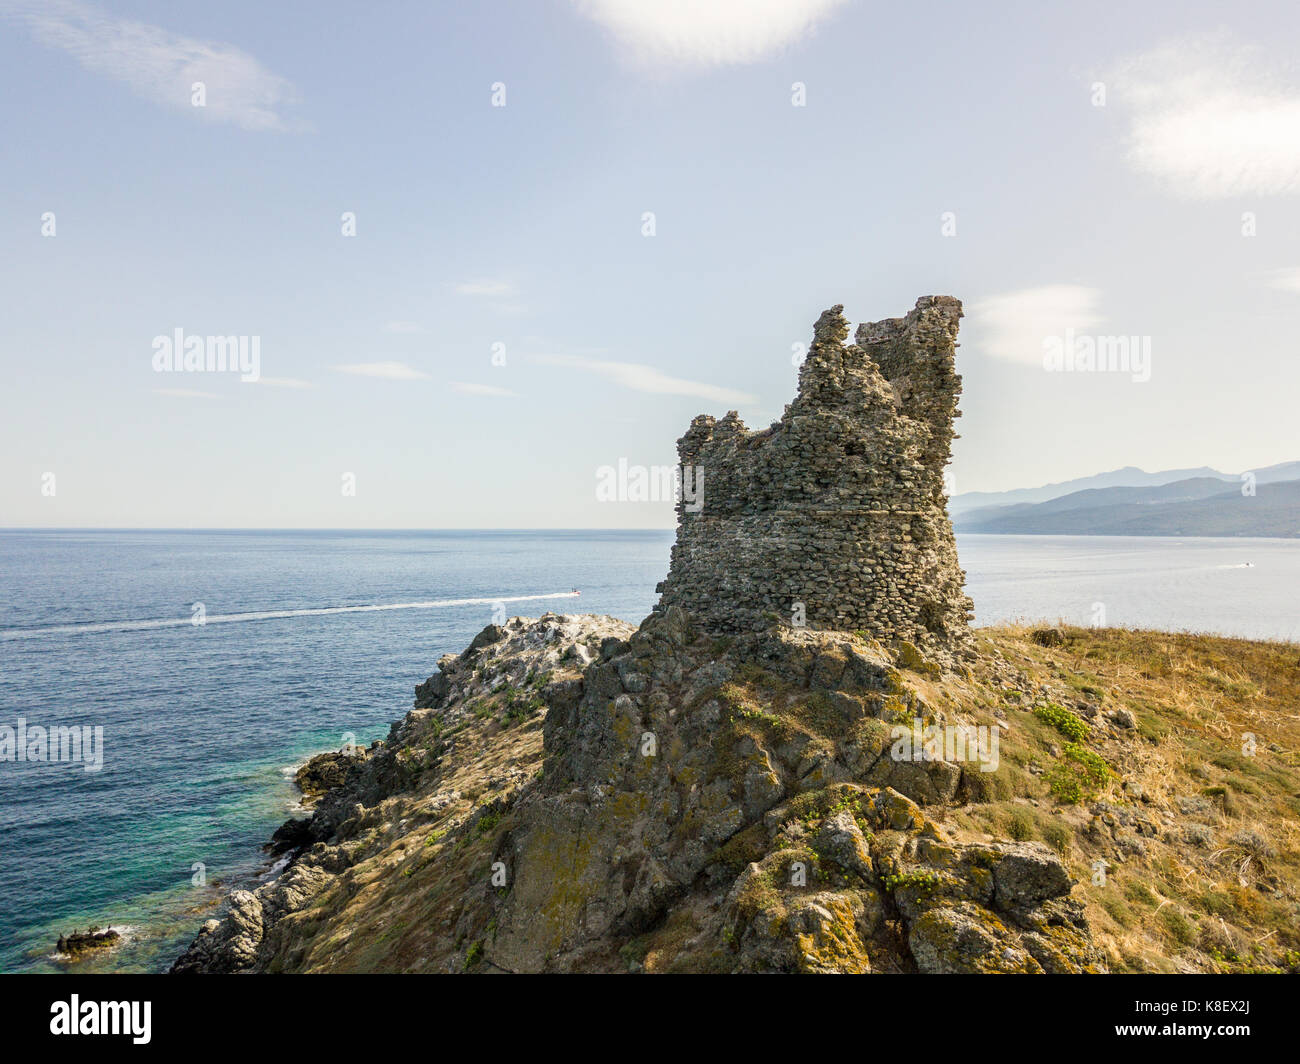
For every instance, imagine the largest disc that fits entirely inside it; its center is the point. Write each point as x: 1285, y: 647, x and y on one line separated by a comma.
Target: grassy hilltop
x: 1200, y: 835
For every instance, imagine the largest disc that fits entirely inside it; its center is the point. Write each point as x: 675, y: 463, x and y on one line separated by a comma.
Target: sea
x: 202, y: 667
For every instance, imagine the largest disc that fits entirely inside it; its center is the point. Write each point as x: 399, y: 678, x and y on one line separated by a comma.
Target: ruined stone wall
x: 840, y: 505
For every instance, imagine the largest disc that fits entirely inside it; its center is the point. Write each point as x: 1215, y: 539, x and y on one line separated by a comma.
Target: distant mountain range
x: 1131, y: 502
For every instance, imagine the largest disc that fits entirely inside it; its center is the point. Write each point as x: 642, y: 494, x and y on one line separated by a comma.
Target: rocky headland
x: 804, y: 760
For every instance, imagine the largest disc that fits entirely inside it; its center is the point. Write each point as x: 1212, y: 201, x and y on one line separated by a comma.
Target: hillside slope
x: 1200, y: 507
x: 1129, y: 476
x: 965, y: 505
x: 571, y: 794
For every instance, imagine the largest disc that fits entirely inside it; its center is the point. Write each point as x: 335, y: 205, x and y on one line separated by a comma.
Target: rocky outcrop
x: 573, y: 794
x: 356, y: 787
x: 324, y: 772
x: 76, y: 945
x: 835, y: 516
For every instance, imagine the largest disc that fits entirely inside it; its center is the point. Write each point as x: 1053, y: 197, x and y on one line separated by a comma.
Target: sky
x: 486, y: 253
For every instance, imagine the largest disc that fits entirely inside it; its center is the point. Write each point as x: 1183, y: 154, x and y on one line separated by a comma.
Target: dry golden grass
x: 1205, y: 873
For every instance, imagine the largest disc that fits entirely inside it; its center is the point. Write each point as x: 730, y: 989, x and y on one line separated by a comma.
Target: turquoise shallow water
x: 202, y: 724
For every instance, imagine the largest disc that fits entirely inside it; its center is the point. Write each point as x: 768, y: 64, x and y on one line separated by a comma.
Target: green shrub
x: 1117, y: 909
x: 1060, y: 718
x: 1139, y: 892
x: 1179, y: 927
x: 1057, y: 836
x: 1079, y: 775
x: 1020, y: 825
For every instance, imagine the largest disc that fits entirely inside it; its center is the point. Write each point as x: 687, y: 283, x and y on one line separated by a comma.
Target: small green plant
x: 1079, y: 775
x: 1020, y: 826
x: 1057, y: 836
x: 520, y: 705
x: 1060, y: 718
x: 1117, y: 909
x: 1140, y: 893
x: 920, y: 879
x: 1179, y: 927
x: 488, y: 820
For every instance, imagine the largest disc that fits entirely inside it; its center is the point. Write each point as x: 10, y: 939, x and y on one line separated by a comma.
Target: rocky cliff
x: 574, y: 794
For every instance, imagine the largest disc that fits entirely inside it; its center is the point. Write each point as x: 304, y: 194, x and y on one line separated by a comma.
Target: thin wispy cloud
x: 471, y: 388
x: 1284, y: 280
x: 1014, y: 325
x: 185, y: 393
x: 159, y: 65
x: 705, y: 33
x: 642, y: 378
x: 1211, y: 119
x: 285, y: 382
x: 393, y: 371
x: 485, y: 288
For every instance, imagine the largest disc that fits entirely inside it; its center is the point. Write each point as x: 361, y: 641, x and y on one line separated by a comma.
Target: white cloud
x: 185, y: 393
x: 285, y: 382
x: 1013, y: 325
x: 393, y: 371
x: 469, y: 388
x: 1211, y: 120
x: 642, y: 378
x: 1285, y: 280
x: 705, y: 33
x: 485, y: 288
x: 159, y: 65
x: 403, y: 327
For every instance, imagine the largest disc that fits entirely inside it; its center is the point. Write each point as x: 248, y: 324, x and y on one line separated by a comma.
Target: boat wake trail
x: 264, y: 615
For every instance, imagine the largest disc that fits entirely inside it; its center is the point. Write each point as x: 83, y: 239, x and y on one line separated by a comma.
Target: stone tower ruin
x: 835, y: 516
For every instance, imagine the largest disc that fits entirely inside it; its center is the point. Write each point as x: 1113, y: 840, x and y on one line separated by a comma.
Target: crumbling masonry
x: 840, y: 505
